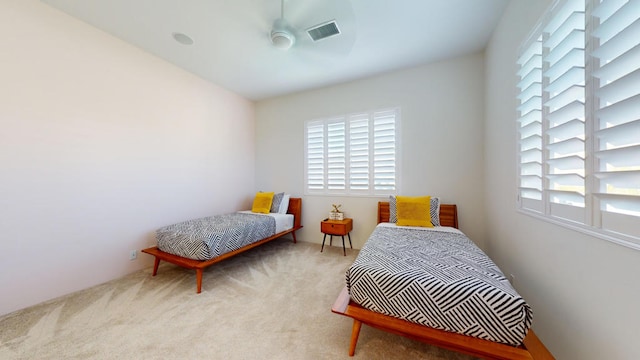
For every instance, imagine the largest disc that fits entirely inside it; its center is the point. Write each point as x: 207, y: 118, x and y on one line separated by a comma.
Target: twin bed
x: 199, y: 243
x: 435, y: 285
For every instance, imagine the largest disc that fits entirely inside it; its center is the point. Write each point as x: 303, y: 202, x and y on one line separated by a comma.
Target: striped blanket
x: 210, y: 237
x: 440, y: 279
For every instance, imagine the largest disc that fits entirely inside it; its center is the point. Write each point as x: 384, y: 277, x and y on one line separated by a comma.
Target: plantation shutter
x: 359, y: 152
x: 530, y: 125
x: 384, y: 151
x: 616, y: 38
x: 564, y: 108
x: 336, y: 155
x: 352, y: 155
x: 315, y: 156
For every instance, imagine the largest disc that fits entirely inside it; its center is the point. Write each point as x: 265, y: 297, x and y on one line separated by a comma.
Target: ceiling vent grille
x: 324, y: 30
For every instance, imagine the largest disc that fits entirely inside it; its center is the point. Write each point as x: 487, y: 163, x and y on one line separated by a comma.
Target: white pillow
x: 284, y: 204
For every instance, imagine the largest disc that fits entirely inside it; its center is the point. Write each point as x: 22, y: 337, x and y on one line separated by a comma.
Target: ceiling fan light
x: 282, y: 39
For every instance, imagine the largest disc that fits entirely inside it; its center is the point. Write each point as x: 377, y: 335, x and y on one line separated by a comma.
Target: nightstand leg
x: 344, y: 251
x: 323, y: 239
x: 349, y: 235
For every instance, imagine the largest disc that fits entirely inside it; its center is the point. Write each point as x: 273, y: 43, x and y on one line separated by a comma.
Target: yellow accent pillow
x: 262, y: 202
x: 414, y: 211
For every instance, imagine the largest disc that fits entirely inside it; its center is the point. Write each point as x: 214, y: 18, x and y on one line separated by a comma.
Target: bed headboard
x: 295, y: 209
x: 448, y: 214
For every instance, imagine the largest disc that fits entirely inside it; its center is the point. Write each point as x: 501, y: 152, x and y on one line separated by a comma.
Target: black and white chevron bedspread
x: 210, y: 237
x: 438, y: 279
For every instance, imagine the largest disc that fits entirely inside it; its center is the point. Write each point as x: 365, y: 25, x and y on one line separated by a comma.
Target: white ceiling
x: 232, y: 47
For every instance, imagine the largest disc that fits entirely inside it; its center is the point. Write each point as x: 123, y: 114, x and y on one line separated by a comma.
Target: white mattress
x: 283, y: 221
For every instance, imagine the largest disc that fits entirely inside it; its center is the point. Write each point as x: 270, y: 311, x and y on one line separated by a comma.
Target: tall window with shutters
x: 579, y: 118
x: 353, y: 154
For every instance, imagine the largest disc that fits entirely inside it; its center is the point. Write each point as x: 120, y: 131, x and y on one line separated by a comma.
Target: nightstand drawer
x: 336, y: 227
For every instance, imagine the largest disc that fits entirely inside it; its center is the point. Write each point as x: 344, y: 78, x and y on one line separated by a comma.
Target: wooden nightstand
x: 339, y: 228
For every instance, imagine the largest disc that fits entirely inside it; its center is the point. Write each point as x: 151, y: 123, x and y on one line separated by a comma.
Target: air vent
x: 324, y: 30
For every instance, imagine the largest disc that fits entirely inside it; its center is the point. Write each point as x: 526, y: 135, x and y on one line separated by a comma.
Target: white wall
x: 100, y: 144
x: 584, y: 291
x: 442, y: 108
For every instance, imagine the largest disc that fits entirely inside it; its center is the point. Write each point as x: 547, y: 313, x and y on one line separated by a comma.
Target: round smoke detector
x: 183, y: 39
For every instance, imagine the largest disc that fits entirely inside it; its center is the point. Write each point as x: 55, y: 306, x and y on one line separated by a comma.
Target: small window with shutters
x: 579, y: 118
x: 353, y: 154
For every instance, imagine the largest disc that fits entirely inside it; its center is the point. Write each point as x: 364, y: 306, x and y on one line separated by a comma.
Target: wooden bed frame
x: 295, y: 208
x: 532, y: 347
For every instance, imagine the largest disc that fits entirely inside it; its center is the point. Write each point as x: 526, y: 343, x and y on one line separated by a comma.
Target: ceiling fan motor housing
x: 282, y: 36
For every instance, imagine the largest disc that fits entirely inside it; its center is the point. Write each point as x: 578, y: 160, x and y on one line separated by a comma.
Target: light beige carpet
x: 273, y: 302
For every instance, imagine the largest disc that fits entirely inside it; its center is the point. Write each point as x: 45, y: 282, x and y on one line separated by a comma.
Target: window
x: 352, y: 155
x: 579, y: 118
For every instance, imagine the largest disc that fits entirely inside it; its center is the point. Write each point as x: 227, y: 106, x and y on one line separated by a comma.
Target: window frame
x: 597, y: 221
x: 350, y: 183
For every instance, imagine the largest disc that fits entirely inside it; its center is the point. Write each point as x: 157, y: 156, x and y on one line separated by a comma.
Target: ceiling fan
x: 310, y: 25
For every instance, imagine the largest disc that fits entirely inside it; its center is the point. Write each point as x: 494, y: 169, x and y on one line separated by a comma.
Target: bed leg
x: 355, y: 332
x: 294, y: 237
x: 198, y: 280
x: 155, y: 266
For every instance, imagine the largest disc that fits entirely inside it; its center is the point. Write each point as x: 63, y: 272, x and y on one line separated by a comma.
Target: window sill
x: 618, y: 239
x: 376, y: 196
